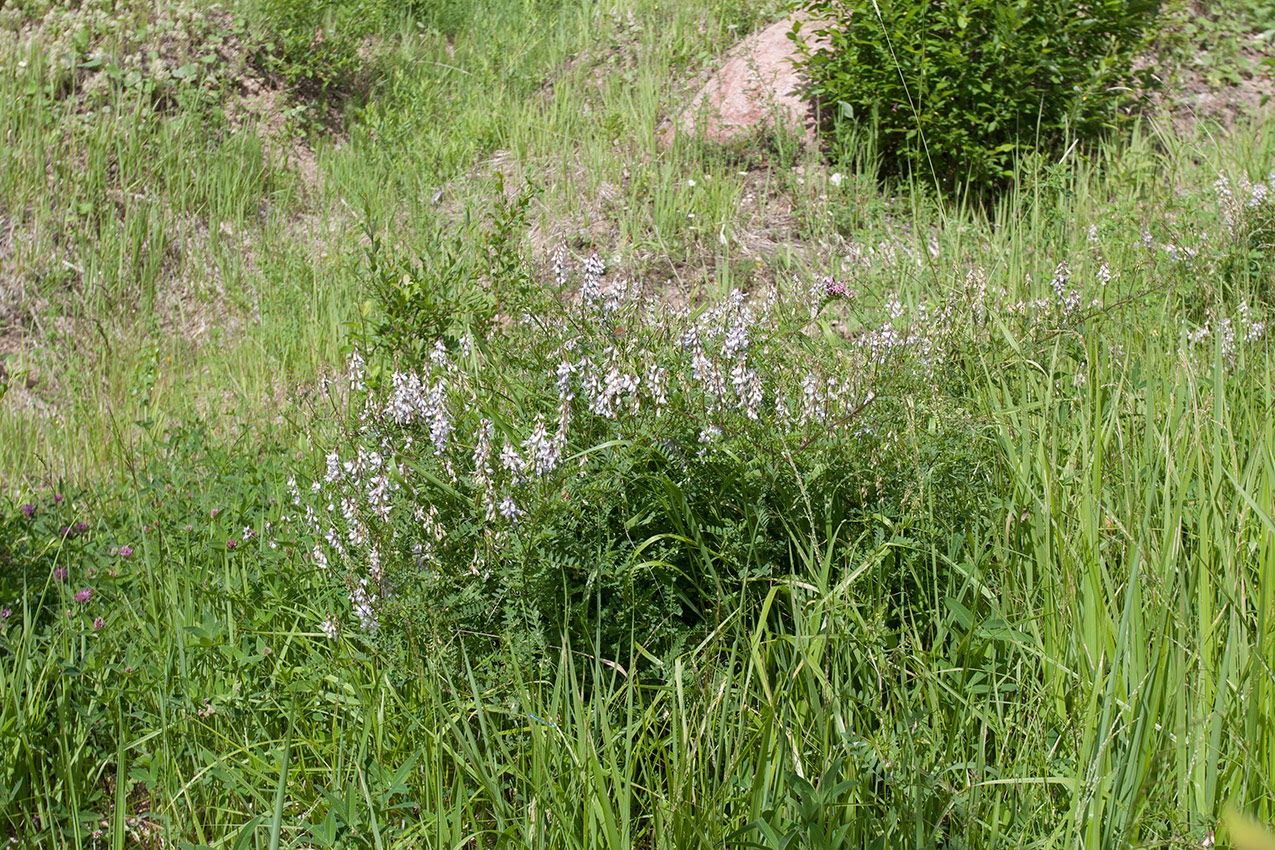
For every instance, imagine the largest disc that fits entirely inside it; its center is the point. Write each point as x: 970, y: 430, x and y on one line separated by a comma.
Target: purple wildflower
x: 84, y: 595
x: 60, y: 574
x: 834, y: 288
x: 98, y: 624
x: 126, y: 551
x: 81, y: 527
x: 28, y: 511
x: 65, y: 532
x: 57, y: 498
x: 5, y: 613
x: 231, y: 544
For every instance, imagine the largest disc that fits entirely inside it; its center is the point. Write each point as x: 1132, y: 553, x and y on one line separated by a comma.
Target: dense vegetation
x: 400, y: 447
x: 959, y: 93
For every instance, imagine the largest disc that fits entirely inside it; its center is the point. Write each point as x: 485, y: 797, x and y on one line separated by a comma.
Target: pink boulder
x: 758, y: 87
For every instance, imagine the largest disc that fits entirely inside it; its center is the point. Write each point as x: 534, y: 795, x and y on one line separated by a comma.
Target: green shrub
x: 955, y: 91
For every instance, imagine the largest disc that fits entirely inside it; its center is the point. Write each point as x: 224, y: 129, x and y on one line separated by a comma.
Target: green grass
x: 1069, y: 647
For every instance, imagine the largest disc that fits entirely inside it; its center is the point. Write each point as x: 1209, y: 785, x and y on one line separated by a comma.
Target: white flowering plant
x: 613, y: 469
x: 1248, y: 211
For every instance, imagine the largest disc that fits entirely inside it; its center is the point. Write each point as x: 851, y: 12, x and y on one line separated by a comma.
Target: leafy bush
x: 956, y: 91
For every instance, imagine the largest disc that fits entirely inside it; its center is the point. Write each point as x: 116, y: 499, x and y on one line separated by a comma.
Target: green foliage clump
x: 955, y: 92
x: 454, y: 284
x: 321, y: 48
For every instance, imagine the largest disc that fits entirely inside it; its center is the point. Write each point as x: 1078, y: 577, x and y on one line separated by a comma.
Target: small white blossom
x: 356, y: 364
x: 509, y: 509
x: 541, y: 451
x: 438, y: 355
x: 364, y: 602
x: 330, y: 628
x: 334, y: 467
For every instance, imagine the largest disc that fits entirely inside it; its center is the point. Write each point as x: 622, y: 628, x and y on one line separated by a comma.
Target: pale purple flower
x: 439, y: 355
x: 560, y: 266
x: 60, y: 574
x: 126, y: 551
x: 541, y: 451
x: 5, y: 613
x: 84, y: 595
x: 231, y: 544
x: 333, y: 474
x: 28, y: 511
x: 512, y: 461
x: 509, y: 509
x: 834, y: 288
x: 98, y: 624
x: 81, y: 527
x: 591, y: 286
x: 364, y: 602
x: 564, y: 381
x: 1104, y: 273
x: 356, y: 364
x: 57, y: 498
x: 330, y: 627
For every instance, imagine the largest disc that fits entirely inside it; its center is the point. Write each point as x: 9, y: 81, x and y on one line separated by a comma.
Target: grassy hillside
x: 401, y: 447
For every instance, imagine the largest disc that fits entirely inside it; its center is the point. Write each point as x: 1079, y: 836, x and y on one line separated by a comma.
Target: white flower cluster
x: 417, y: 399
x: 1069, y: 297
x: 719, y: 343
x: 1224, y: 332
x: 1236, y: 200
